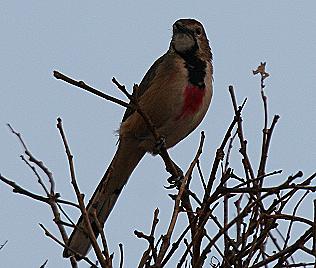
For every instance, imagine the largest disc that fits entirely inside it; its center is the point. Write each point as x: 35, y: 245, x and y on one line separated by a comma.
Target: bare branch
x: 50, y: 235
x: 88, y: 88
x: 176, y: 210
x: 106, y: 253
x: 39, y: 163
x: 83, y: 210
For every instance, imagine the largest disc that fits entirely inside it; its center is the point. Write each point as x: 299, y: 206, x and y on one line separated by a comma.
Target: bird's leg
x: 175, y: 181
x: 161, y: 143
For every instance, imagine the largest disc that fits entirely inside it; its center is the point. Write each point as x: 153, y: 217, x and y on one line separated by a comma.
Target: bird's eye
x: 198, y: 31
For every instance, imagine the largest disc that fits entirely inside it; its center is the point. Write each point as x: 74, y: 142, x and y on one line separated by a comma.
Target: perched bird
x: 175, y: 94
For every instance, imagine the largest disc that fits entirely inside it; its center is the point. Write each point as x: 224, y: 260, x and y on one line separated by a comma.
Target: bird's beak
x: 180, y: 29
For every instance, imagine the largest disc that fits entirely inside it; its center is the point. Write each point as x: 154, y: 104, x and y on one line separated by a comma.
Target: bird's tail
x: 105, y: 196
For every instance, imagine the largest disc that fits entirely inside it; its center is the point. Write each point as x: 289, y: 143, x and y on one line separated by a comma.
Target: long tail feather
x: 105, y: 196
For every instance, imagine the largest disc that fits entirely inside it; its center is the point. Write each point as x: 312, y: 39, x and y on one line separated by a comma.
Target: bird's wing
x: 145, y: 84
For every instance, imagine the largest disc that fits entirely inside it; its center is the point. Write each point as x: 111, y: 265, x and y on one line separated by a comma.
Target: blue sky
x: 97, y: 40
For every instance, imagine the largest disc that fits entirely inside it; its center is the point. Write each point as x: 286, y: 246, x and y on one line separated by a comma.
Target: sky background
x: 96, y: 40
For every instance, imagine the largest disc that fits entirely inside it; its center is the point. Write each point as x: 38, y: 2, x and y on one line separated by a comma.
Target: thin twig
x: 44, y: 264
x: 50, y: 235
x: 39, y: 179
x: 248, y: 181
x: 20, y: 190
x: 264, y: 149
x: 121, y: 255
x: 289, y: 250
x: 275, y: 189
x: 83, y: 210
x: 287, y: 238
x: 88, y: 88
x: 201, y: 175
x: 2, y: 245
x: 314, y: 231
x: 220, y: 153
x: 243, y: 143
x: 175, y: 246
x: 176, y: 210
x: 103, y: 239
x: 150, y: 239
x: 39, y: 163
x: 122, y: 88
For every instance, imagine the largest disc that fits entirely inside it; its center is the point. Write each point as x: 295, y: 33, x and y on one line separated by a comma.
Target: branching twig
x: 166, y: 238
x: 88, y: 88
x: 50, y: 235
x: 220, y: 153
x: 80, y: 197
x: 39, y: 163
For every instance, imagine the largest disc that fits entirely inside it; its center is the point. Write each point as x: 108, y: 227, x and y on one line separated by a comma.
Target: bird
x: 175, y: 94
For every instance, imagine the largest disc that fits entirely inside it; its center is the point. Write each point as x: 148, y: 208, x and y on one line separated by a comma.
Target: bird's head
x: 189, y: 38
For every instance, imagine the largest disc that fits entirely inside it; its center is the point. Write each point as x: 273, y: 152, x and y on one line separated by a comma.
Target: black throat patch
x: 196, y: 71
x: 196, y: 68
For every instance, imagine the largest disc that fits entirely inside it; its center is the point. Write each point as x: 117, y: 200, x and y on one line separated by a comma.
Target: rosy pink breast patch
x: 193, y: 97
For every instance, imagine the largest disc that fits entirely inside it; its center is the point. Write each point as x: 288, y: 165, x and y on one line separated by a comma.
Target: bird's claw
x: 174, y: 182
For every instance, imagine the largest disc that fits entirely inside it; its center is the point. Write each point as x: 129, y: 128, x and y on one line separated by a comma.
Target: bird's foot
x: 174, y: 182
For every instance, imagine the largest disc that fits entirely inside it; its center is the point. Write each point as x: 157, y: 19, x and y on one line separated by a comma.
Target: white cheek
x: 183, y: 42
